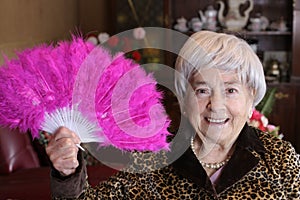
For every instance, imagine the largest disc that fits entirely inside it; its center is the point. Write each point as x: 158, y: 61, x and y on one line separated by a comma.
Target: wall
x: 24, y: 23
x: 94, y: 16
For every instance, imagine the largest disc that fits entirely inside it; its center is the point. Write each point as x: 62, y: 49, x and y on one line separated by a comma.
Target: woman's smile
x: 217, y: 121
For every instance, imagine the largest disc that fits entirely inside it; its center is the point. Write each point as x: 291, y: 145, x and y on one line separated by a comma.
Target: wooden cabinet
x: 164, y: 13
x: 296, y: 44
x: 269, y: 40
x: 285, y: 112
x: 128, y: 14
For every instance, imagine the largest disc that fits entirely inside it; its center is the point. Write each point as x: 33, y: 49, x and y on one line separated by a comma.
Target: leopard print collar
x: 242, y: 161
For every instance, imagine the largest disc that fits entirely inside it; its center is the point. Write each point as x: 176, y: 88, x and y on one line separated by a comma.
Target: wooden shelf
x: 253, y: 33
x: 261, y: 33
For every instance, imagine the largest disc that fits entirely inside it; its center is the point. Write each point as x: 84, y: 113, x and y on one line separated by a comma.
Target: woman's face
x: 218, y: 105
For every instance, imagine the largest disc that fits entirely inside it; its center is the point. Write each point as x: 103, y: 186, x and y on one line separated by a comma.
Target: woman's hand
x: 62, y: 151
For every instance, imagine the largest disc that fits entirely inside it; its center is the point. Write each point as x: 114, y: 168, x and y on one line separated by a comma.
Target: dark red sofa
x: 24, y: 168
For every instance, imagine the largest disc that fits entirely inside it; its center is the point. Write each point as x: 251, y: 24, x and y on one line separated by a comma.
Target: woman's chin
x: 216, y: 131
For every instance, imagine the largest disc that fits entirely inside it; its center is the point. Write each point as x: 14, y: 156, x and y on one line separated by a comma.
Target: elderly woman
x: 220, y: 80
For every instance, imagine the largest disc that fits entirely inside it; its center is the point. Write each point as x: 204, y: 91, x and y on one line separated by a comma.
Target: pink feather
x: 113, y: 92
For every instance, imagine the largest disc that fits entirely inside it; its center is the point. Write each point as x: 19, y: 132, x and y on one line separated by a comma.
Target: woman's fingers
x: 62, y: 150
x: 64, y: 132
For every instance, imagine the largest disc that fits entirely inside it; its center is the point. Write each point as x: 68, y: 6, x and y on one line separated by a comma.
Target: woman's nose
x: 216, y: 102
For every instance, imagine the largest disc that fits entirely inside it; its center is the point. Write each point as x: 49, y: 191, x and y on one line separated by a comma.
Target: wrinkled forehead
x: 214, y: 75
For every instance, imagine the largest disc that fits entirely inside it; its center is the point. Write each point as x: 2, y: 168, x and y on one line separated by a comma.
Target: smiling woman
x: 223, y: 104
x: 225, y: 85
x: 219, y: 81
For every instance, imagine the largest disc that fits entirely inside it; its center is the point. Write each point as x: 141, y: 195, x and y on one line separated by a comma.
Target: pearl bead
x: 209, y: 165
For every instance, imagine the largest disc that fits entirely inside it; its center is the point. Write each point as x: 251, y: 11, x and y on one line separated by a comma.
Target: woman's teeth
x: 216, y: 120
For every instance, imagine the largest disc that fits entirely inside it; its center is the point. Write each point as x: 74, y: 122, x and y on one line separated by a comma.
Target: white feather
x: 73, y: 120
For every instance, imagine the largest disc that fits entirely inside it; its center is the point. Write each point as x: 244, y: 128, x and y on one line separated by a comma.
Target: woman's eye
x: 231, y: 90
x: 202, y: 91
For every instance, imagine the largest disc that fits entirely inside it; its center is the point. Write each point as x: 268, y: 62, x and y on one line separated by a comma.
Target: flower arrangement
x: 259, y: 115
x: 261, y: 122
x: 122, y: 43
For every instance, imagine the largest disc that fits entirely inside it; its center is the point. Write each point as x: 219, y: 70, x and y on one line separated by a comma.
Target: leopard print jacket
x: 262, y: 167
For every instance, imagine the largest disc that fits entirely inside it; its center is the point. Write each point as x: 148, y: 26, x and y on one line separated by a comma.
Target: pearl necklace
x: 209, y: 165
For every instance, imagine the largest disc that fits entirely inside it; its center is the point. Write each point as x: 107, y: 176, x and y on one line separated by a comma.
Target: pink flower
x: 259, y: 120
x: 139, y: 33
x: 113, y: 41
x: 256, y: 115
x: 271, y: 128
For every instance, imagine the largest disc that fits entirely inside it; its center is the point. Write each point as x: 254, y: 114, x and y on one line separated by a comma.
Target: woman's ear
x: 251, y: 98
x: 250, y: 112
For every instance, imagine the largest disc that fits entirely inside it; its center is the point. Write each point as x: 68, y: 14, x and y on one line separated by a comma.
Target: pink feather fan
x: 105, y: 99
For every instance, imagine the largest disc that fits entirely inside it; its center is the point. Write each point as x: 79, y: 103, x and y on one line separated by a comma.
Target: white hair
x: 207, y: 49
